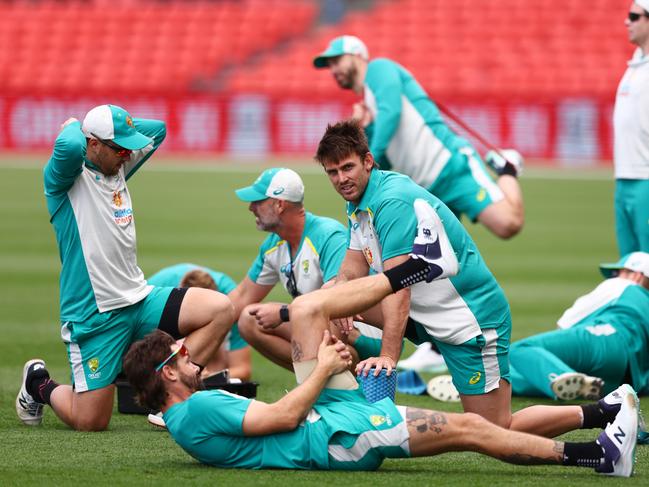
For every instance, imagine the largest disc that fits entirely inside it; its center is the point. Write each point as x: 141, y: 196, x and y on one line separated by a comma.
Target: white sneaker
x: 618, y: 440
x: 497, y: 160
x: 432, y: 244
x: 157, y: 420
x: 424, y: 359
x: 442, y: 389
x: 575, y: 385
x: 29, y: 411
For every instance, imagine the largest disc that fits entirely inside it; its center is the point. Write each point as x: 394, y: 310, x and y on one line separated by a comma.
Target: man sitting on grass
x: 326, y: 422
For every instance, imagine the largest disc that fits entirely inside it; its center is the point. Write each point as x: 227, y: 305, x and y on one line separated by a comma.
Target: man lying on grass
x: 326, y: 422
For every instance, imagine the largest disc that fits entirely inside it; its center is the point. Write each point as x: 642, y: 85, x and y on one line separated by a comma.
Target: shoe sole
x: 578, y: 386
x: 156, y: 421
x: 442, y: 389
x: 30, y: 421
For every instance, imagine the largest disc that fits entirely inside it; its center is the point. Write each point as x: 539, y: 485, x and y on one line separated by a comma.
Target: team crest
x: 475, y: 378
x: 117, y: 198
x: 482, y: 194
x: 368, y: 255
x: 305, y: 266
x: 129, y: 122
x: 377, y: 420
x: 93, y: 364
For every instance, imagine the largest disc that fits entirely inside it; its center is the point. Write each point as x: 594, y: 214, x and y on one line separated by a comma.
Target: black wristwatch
x: 283, y: 313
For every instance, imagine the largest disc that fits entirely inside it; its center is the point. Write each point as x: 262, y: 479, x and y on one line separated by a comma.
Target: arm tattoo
x: 422, y: 420
x: 296, y: 349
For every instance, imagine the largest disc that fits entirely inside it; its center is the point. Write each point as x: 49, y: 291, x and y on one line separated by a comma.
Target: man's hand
x: 382, y: 362
x: 346, y: 325
x: 266, y: 315
x: 361, y: 113
x: 333, y: 355
x: 68, y: 122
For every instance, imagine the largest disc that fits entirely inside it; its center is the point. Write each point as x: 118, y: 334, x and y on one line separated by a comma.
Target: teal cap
x: 339, y: 46
x: 110, y: 122
x: 635, y: 261
x: 278, y: 182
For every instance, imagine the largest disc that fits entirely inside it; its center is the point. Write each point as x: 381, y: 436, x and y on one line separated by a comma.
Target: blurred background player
x: 631, y: 148
x: 604, y: 336
x: 105, y: 302
x: 328, y: 412
x: 303, y: 252
x: 407, y: 134
x: 234, y: 354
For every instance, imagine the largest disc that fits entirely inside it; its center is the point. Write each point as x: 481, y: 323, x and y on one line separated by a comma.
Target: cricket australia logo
x: 129, y: 122
x: 93, y: 366
x: 117, y: 198
x: 305, y: 266
x: 368, y: 255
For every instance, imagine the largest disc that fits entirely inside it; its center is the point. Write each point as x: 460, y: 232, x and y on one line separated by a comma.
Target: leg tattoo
x: 297, y: 353
x: 422, y: 420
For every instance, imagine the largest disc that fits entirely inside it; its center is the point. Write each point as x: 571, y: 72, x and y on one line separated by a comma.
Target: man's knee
x: 246, y: 323
x: 93, y: 423
x: 304, y: 310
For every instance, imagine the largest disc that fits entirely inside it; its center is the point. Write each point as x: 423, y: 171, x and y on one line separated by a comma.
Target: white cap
x: 643, y: 3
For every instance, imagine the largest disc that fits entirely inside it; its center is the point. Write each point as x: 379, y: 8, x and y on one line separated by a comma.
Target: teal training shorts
x: 478, y: 364
x: 632, y: 215
x: 465, y: 186
x: 97, y: 345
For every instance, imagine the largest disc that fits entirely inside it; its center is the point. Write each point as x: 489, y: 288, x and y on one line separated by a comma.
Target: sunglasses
x: 291, y: 284
x: 181, y: 350
x: 634, y: 17
x: 119, y: 151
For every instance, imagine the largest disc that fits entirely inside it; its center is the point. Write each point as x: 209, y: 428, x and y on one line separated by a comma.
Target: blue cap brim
x: 136, y: 141
x: 250, y: 194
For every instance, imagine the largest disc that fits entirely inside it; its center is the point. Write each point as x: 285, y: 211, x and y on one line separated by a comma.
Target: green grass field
x: 190, y: 214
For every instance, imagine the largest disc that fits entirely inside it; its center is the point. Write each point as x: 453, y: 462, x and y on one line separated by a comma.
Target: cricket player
x: 631, y: 145
x: 105, y: 302
x: 602, y: 341
x: 235, y: 351
x: 326, y: 423
x: 407, y: 134
x: 302, y: 252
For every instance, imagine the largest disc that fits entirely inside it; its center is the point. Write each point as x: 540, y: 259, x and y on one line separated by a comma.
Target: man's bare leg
x: 274, y: 343
x: 494, y: 406
x: 83, y: 411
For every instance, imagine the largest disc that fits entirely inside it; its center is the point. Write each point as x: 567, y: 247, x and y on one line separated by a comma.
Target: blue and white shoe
x: 432, y: 244
x: 619, y: 438
x: 29, y: 411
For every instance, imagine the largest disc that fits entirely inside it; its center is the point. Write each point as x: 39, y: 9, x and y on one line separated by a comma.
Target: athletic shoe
x: 575, y: 385
x: 497, y: 162
x: 432, y: 244
x: 157, y: 420
x: 29, y: 411
x: 442, y: 389
x: 618, y: 440
x: 424, y: 359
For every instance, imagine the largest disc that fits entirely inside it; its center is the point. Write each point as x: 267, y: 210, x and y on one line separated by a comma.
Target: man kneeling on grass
x: 326, y: 422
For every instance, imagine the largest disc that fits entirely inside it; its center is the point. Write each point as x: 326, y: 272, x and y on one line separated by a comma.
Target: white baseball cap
x: 278, y: 182
x: 339, y: 46
x: 110, y: 122
x: 643, y: 3
x: 635, y: 261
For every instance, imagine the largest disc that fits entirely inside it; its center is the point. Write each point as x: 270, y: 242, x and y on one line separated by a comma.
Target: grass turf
x: 190, y: 214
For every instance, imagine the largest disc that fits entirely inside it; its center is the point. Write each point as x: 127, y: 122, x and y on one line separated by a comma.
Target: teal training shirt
x: 408, y: 133
x: 172, y: 275
x: 317, y: 260
x: 93, y: 220
x: 383, y: 225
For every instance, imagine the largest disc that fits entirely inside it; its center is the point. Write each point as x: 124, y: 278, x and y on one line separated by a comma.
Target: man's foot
x: 157, y: 420
x: 442, y: 389
x: 498, y: 161
x: 431, y: 243
x: 618, y: 440
x: 424, y: 359
x: 29, y: 411
x: 575, y: 385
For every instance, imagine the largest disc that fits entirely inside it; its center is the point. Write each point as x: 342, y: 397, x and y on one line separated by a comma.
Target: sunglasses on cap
x: 119, y: 151
x: 634, y: 16
x: 181, y: 350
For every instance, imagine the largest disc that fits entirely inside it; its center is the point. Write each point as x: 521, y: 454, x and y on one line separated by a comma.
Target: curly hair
x: 198, y: 278
x: 342, y: 140
x: 139, y: 366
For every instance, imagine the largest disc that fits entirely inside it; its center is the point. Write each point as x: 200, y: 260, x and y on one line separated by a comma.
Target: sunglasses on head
x: 634, y: 16
x: 181, y: 350
x: 119, y: 151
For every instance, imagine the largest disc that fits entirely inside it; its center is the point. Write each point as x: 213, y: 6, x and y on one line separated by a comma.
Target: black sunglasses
x: 634, y: 17
x: 291, y: 284
x: 120, y: 151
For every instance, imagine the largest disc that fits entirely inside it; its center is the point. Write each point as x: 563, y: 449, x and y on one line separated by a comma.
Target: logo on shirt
x: 475, y: 378
x: 368, y: 255
x: 482, y: 194
x: 305, y: 266
x: 117, y: 198
x: 355, y: 226
x: 378, y: 420
x: 93, y: 365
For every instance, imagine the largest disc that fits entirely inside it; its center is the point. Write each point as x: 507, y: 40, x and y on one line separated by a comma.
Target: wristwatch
x: 283, y: 313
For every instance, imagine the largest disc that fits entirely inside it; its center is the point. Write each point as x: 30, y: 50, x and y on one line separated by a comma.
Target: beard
x: 192, y: 381
x: 346, y: 81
